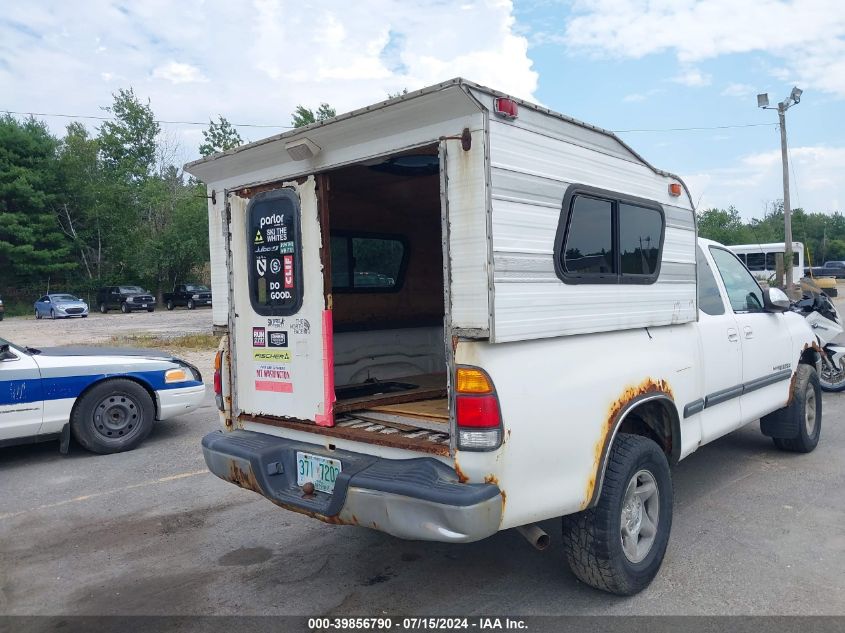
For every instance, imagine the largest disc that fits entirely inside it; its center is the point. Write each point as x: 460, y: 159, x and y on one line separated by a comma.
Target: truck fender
x: 656, y: 398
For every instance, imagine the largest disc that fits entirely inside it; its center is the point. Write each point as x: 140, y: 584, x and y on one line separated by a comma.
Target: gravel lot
x: 756, y: 531
x: 98, y: 329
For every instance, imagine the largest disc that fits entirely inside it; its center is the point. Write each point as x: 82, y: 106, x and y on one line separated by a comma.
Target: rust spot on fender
x: 491, y: 479
x: 647, y: 386
x: 461, y: 476
x: 504, y: 497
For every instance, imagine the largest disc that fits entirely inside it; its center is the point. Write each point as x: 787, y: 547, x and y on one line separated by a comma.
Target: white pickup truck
x: 455, y: 312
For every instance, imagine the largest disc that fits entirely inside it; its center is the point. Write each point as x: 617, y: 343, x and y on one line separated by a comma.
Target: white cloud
x: 738, y: 90
x: 177, y: 73
x: 807, y: 35
x: 755, y: 180
x: 642, y: 96
x: 253, y: 64
x: 692, y: 77
x: 634, y: 97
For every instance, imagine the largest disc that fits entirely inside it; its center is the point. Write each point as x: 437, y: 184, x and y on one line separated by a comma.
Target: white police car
x: 107, y: 397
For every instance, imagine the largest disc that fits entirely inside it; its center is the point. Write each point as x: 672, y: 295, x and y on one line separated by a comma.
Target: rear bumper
x: 173, y: 402
x: 418, y: 498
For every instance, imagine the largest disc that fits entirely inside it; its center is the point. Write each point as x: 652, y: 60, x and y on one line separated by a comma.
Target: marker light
x: 175, y: 375
x: 506, y: 108
x: 674, y: 189
x: 472, y: 380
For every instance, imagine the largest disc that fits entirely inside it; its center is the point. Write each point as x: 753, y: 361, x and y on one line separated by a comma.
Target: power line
x: 110, y: 118
x: 290, y: 127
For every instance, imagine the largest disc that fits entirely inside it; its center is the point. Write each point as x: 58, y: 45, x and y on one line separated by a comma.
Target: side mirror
x: 6, y: 353
x: 775, y: 300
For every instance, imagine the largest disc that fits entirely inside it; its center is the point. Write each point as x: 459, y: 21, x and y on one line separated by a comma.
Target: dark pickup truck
x: 830, y: 269
x: 189, y: 295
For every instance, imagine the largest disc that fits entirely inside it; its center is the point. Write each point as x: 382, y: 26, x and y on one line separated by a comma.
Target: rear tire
x: 618, y: 545
x: 37, y: 315
x: 113, y: 416
x: 104, y: 308
x: 797, y: 427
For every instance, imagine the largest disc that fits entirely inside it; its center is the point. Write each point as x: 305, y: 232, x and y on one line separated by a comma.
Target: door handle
x: 749, y: 333
x: 733, y: 336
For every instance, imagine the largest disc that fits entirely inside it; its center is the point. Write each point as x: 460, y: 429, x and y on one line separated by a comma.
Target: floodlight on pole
x: 763, y: 102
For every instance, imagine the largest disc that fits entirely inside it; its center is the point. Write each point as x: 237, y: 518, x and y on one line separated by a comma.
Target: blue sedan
x: 62, y: 306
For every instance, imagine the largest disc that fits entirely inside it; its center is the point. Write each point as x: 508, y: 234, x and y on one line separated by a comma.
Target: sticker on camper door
x: 273, y: 378
x: 274, y: 249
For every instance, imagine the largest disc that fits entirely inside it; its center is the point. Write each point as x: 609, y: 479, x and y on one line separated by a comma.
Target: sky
x: 643, y: 68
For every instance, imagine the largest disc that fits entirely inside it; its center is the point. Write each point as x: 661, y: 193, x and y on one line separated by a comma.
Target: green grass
x: 184, y: 341
x: 18, y: 309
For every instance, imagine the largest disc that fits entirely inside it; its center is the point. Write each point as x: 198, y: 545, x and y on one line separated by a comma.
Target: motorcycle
x: 823, y: 317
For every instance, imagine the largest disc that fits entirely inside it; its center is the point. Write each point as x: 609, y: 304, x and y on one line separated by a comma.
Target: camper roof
x: 449, y: 98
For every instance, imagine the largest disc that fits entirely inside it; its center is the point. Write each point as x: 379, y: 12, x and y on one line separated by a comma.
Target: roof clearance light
x: 674, y: 189
x: 506, y: 108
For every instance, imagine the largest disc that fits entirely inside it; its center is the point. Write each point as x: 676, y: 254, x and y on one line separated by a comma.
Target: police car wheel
x: 113, y: 416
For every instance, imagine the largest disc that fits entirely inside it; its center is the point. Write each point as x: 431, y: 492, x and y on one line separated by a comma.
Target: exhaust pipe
x: 535, y: 535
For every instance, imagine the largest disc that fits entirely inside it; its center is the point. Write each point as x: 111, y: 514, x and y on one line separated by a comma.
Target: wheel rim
x: 640, y: 516
x: 832, y: 375
x: 810, y: 412
x: 116, y: 416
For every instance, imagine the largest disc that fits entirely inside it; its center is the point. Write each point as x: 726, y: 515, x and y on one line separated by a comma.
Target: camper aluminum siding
x: 532, y: 161
x: 502, y: 201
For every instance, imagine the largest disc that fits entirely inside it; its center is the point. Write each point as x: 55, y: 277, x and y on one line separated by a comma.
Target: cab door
x: 721, y: 356
x: 21, y: 395
x: 279, y: 322
x: 766, y: 342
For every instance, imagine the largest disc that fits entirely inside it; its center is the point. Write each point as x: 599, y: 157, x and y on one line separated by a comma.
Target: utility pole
x: 787, y: 208
x: 763, y: 102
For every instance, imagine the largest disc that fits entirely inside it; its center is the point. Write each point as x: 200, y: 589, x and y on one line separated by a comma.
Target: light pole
x: 763, y: 102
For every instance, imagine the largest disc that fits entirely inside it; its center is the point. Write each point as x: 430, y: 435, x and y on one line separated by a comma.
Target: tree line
x: 89, y: 209
x: 823, y: 234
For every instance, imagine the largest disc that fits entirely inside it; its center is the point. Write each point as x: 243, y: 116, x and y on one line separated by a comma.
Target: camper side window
x: 606, y: 238
x: 367, y: 263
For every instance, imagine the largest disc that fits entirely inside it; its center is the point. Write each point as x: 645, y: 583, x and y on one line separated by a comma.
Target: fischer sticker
x: 258, y: 238
x: 259, y: 337
x: 271, y: 356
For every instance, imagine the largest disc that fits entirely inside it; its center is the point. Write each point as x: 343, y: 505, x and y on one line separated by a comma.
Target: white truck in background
x: 456, y: 312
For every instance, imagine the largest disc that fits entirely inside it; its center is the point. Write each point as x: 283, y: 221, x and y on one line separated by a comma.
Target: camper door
x: 279, y: 323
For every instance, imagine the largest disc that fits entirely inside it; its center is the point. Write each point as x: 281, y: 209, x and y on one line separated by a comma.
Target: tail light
x: 477, y: 411
x: 218, y: 380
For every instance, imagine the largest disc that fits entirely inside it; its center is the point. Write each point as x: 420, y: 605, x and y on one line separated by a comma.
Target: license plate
x: 321, y: 471
x: 143, y: 305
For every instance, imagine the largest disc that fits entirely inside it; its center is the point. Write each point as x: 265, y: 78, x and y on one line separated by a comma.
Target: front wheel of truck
x: 618, y: 545
x: 797, y: 427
